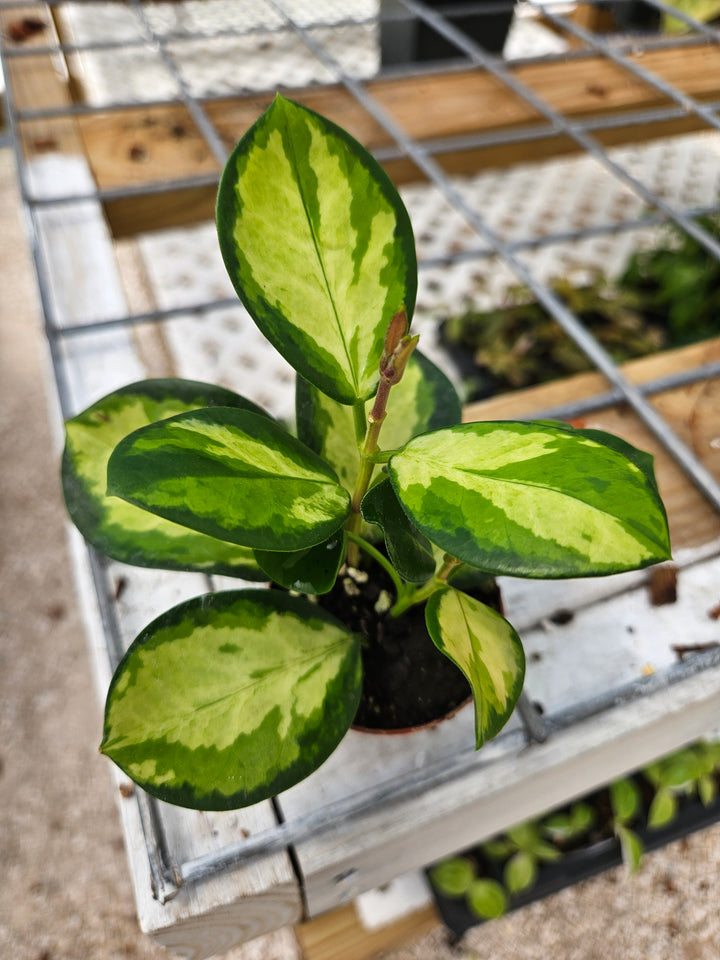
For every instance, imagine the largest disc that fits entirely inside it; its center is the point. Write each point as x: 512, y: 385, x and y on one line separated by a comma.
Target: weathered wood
x: 692, y: 519
x: 395, y: 837
x: 341, y: 935
x: 154, y: 144
x: 210, y: 917
x: 39, y: 82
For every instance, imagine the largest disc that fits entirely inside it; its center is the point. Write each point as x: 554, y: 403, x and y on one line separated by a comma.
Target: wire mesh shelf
x: 575, y: 148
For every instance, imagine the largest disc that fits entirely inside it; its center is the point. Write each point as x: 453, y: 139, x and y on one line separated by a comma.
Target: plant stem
x: 396, y: 353
x: 368, y: 446
x: 380, y: 558
x: 360, y: 421
x: 420, y: 594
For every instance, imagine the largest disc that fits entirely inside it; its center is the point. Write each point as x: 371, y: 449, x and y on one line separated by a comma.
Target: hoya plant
x: 233, y: 696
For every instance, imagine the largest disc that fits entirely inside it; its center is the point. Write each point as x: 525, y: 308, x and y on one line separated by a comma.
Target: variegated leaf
x: 643, y: 460
x: 313, y: 570
x: 410, y: 552
x: 423, y: 400
x: 119, y: 529
x: 318, y: 245
x: 230, y: 698
x: 487, y: 650
x: 233, y: 475
x: 531, y: 500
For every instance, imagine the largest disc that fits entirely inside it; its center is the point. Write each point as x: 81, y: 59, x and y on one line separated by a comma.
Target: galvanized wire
x: 167, y: 875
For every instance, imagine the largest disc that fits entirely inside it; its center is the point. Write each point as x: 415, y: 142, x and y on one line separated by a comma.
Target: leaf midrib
x: 295, y: 167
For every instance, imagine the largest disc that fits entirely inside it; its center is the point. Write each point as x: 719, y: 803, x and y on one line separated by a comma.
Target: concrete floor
x: 65, y: 892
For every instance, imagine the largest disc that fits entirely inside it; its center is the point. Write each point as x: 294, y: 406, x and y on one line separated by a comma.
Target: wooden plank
x: 340, y: 934
x: 365, y: 851
x: 39, y: 82
x: 138, y: 146
x: 692, y: 411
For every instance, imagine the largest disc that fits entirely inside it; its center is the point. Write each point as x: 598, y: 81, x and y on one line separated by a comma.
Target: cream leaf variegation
x: 275, y: 685
x: 234, y: 475
x: 487, y: 650
x: 118, y: 528
x: 531, y: 500
x: 318, y: 245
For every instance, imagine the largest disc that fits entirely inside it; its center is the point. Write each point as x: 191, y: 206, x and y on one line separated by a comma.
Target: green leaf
x: 558, y: 825
x: 680, y: 768
x: 233, y: 475
x: 663, y: 809
x: 230, y: 698
x: 530, y: 500
x: 410, y: 552
x: 499, y: 848
x: 582, y: 817
x: 624, y: 800
x: 423, y: 400
x: 452, y: 877
x: 318, y: 245
x: 520, y: 872
x: 707, y: 789
x: 524, y: 835
x: 487, y: 650
x: 328, y: 428
x: 703, y: 10
x: 631, y: 846
x: 119, y: 529
x: 572, y: 825
x: 643, y: 460
x: 546, y: 852
x: 308, y: 571
x: 486, y: 898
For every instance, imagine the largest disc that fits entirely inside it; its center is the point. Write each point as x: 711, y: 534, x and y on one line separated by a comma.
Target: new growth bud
x: 396, y: 330
x: 398, y: 348
x: 398, y: 361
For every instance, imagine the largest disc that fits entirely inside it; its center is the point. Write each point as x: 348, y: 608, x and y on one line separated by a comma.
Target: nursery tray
x: 584, y: 863
x: 606, y: 688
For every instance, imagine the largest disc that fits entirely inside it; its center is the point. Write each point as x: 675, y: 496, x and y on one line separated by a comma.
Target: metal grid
x: 165, y: 34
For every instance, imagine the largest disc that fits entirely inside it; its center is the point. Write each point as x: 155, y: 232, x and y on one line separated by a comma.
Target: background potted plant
x: 643, y: 811
x: 232, y: 697
x: 666, y: 296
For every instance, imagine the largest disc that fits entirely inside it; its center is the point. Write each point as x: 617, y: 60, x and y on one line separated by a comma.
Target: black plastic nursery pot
x: 578, y: 864
x: 405, y: 39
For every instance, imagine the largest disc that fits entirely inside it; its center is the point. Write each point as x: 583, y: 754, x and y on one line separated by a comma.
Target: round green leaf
x: 486, y: 898
x: 230, y: 698
x: 119, y: 529
x: 233, y: 475
x: 452, y: 877
x: 624, y: 800
x: 663, y: 809
x: 487, y: 650
x: 531, y: 500
x: 520, y: 872
x: 318, y: 245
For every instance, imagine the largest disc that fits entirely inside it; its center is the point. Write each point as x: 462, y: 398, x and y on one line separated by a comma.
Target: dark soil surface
x: 407, y: 682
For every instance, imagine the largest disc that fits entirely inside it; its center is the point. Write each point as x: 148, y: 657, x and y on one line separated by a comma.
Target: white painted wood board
x: 207, y: 918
